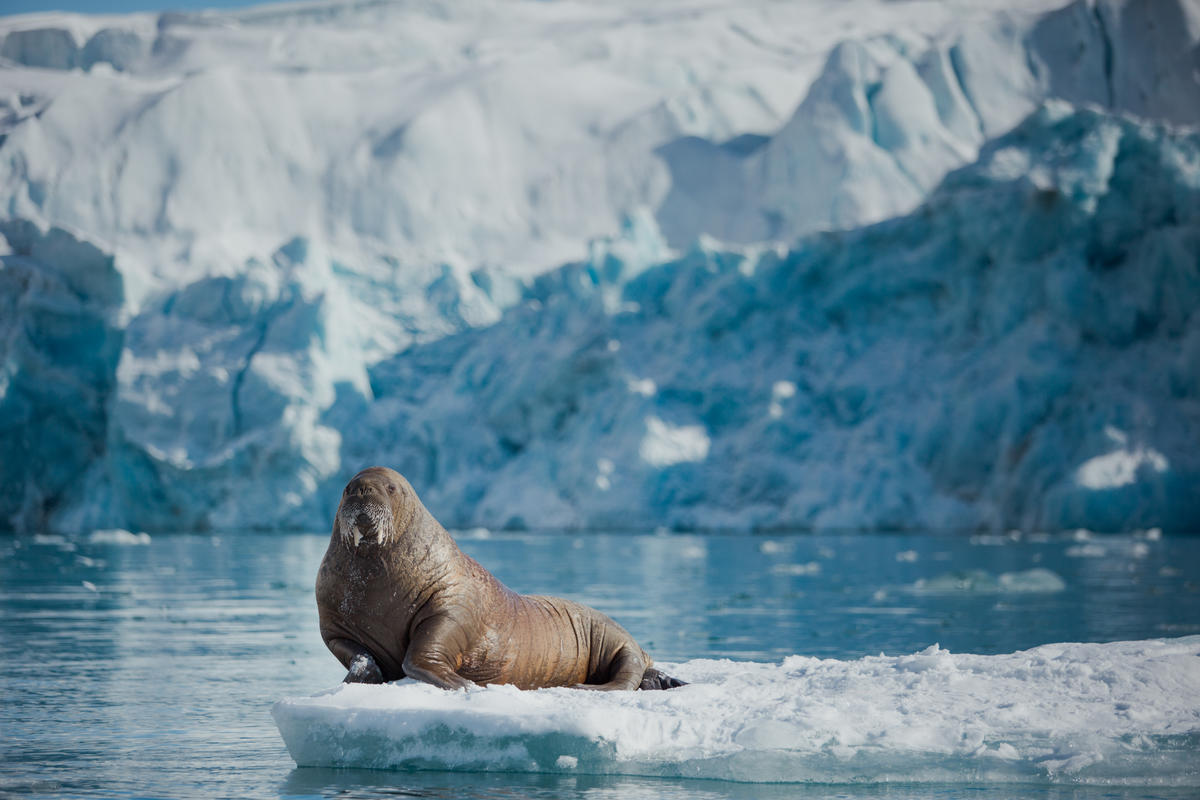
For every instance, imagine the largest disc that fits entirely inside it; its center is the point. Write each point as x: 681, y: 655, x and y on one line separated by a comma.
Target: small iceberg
x: 118, y: 536
x: 1120, y: 712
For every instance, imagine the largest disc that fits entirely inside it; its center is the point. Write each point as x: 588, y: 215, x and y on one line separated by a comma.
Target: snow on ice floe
x: 1120, y: 713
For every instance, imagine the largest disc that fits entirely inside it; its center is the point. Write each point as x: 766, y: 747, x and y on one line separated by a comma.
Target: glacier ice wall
x: 304, y: 278
x: 1022, y: 350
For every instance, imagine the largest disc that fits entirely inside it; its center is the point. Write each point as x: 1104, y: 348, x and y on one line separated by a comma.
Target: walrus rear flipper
x: 656, y: 679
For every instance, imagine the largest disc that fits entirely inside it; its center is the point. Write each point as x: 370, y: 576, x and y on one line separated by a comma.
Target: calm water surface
x: 149, y: 671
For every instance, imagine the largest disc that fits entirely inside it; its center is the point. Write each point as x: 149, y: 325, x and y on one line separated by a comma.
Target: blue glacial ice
x: 61, y: 336
x: 1020, y: 351
x: 1120, y: 713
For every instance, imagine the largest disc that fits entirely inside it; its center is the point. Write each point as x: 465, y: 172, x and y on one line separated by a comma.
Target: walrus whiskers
x: 379, y: 517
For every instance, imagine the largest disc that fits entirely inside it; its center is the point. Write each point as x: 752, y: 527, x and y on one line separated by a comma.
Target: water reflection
x: 353, y: 784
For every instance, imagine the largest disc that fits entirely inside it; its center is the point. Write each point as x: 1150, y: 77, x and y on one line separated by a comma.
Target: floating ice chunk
x: 1031, y: 580
x: 1057, y: 713
x: 809, y: 568
x: 119, y: 536
x: 978, y: 581
x: 908, y: 556
x: 665, y: 444
x: 1087, y: 551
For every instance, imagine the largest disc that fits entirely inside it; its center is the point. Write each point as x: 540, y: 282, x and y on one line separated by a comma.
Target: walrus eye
x: 391, y: 488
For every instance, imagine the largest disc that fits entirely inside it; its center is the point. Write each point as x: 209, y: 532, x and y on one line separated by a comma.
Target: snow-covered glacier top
x: 509, y: 133
x: 246, y: 254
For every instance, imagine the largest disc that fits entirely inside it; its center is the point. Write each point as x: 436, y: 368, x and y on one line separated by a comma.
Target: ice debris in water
x: 978, y: 581
x: 1071, y: 713
x: 807, y: 568
x: 119, y: 536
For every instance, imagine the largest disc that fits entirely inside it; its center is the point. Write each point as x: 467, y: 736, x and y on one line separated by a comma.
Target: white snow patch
x: 643, y: 386
x: 1118, y: 468
x: 665, y: 444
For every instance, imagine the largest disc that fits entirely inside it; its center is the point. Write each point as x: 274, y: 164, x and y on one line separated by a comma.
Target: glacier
x: 977, y: 363
x: 1120, y: 713
x: 1021, y: 351
x: 232, y: 275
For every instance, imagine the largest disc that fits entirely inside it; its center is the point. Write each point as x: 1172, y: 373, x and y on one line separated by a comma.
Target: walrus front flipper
x: 357, y: 659
x: 657, y: 679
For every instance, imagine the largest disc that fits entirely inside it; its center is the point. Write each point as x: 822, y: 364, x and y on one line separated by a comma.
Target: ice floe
x: 1121, y: 713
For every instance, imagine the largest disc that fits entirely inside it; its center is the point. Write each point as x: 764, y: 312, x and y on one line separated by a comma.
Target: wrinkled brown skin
x: 415, y: 605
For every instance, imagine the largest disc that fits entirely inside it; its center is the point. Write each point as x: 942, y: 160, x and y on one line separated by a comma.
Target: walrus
x: 396, y: 597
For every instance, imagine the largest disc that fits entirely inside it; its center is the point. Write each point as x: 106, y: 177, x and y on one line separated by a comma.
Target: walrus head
x: 376, y: 506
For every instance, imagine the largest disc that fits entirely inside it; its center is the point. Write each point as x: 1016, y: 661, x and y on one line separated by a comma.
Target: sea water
x: 135, y: 666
